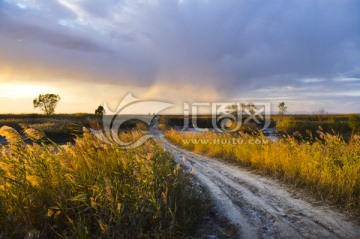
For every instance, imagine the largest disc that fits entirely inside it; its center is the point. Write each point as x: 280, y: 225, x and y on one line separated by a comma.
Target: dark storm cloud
x: 256, y: 42
x: 34, y: 40
x: 55, y: 37
x: 234, y: 46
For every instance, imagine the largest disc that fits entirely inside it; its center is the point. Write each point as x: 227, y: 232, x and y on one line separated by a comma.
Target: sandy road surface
x: 260, y: 207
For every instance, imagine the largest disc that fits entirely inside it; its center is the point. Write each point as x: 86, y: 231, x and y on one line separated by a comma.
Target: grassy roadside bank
x: 93, y: 190
x: 329, y: 166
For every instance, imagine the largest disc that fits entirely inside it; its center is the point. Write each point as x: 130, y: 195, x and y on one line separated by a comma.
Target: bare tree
x: 282, y: 108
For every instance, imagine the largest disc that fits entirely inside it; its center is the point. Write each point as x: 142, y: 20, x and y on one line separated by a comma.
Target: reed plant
x: 90, y: 189
x: 328, y: 165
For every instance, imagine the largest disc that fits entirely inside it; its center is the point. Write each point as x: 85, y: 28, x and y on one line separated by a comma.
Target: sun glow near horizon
x: 21, y: 90
x: 89, y: 52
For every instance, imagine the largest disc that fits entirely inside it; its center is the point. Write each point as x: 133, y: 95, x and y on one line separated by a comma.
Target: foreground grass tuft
x: 93, y: 190
x: 329, y: 166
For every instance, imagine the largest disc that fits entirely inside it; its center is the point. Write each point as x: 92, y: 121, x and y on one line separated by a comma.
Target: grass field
x: 328, y: 166
x: 92, y: 190
x: 61, y: 128
x: 340, y: 124
x: 343, y: 124
x: 88, y: 189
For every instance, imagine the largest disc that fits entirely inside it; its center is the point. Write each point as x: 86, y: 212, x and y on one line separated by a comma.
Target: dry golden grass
x: 328, y: 166
x: 92, y: 190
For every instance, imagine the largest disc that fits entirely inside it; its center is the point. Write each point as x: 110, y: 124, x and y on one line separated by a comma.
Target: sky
x: 303, y: 52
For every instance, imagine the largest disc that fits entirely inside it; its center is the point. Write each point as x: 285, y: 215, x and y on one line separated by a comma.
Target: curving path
x: 260, y: 207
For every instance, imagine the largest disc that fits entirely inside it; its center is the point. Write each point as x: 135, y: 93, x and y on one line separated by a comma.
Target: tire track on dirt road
x: 260, y: 207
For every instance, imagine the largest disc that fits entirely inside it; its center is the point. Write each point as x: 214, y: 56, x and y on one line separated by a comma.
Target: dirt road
x: 260, y: 207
